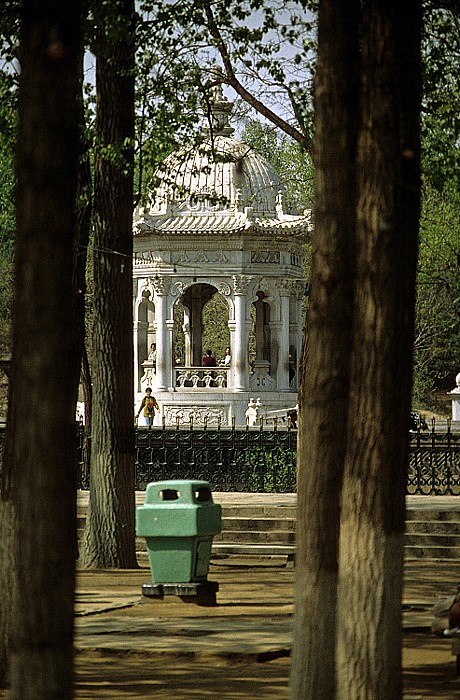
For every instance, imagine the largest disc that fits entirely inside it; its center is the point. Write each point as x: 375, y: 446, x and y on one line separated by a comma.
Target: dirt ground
x: 429, y: 673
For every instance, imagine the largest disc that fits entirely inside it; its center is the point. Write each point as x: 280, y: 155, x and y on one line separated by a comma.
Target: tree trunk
x: 109, y: 539
x: 41, y: 415
x: 7, y: 584
x: 356, y: 374
x: 8, y: 525
x: 373, y: 511
x: 323, y: 394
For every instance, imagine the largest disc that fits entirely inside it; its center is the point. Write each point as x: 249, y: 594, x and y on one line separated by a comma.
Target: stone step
x: 256, y: 536
x: 423, y: 514
x: 234, y: 523
x: 253, y: 549
x: 423, y: 539
x: 450, y: 527
x: 259, y: 511
x: 262, y: 530
x: 432, y: 552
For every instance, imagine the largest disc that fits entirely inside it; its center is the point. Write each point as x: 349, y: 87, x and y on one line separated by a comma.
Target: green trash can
x: 178, y: 520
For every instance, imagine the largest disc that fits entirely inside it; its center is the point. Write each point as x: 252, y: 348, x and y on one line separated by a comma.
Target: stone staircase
x: 256, y: 531
x: 263, y: 530
x: 430, y: 534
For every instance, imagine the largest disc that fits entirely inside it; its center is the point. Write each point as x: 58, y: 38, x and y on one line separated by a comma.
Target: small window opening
x: 169, y: 495
x: 203, y: 494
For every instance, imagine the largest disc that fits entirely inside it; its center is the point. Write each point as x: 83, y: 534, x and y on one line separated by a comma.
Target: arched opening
x: 201, y: 318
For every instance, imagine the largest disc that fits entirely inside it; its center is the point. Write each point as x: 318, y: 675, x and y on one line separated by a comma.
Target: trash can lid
x: 179, y: 490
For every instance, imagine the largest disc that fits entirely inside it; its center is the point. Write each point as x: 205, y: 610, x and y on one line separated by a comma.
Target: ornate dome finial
x: 219, y: 106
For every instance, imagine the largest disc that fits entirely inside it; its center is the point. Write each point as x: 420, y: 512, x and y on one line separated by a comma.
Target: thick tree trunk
x: 109, y: 539
x: 7, y: 584
x: 373, y: 511
x: 8, y: 525
x: 323, y: 395
x: 41, y: 414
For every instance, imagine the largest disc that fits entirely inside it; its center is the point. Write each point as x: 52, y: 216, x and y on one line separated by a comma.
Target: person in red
x: 208, y: 360
x: 148, y: 406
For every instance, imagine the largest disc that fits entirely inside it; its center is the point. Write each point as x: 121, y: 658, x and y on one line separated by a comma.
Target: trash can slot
x: 203, y: 494
x: 169, y: 495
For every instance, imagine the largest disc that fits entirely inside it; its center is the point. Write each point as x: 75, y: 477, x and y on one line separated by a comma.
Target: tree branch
x: 302, y: 138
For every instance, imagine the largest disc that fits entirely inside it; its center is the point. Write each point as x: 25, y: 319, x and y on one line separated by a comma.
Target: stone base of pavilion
x: 223, y: 409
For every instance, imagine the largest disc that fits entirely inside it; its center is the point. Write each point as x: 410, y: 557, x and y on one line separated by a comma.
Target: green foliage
x: 441, y: 96
x: 292, y: 163
x: 267, y: 50
x: 437, y: 341
x: 215, y: 326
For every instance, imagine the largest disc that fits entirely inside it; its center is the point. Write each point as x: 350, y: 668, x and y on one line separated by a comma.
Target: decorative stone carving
x: 177, y: 289
x: 196, y: 414
x: 240, y: 284
x: 181, y: 257
x: 146, y: 259
x: 260, y: 379
x: 265, y: 256
x: 161, y: 285
x: 263, y: 285
x: 284, y: 286
x: 193, y: 378
x: 252, y: 412
x: 224, y: 288
x: 196, y: 256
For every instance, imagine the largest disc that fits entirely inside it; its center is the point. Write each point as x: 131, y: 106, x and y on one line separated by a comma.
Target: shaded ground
x: 129, y: 648
x: 245, y: 594
x: 429, y: 672
x: 251, y: 601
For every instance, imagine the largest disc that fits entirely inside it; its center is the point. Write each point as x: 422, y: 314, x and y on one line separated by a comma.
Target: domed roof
x: 220, y: 174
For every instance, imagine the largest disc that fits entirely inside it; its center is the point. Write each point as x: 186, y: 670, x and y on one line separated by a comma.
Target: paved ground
x: 129, y: 647
x: 240, y: 648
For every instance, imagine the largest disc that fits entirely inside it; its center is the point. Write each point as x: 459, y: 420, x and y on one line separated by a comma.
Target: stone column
x: 283, y: 337
x: 455, y: 398
x: 240, y: 335
x: 164, y: 359
x: 187, y: 338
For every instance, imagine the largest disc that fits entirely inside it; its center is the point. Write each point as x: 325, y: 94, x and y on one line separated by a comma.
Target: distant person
x: 153, y: 353
x: 227, y: 359
x: 208, y: 359
x: 148, y: 406
x: 292, y: 418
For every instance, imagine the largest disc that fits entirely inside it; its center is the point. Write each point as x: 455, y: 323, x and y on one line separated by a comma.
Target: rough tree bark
x: 109, y: 539
x: 356, y: 377
x: 323, y: 394
x: 373, y: 511
x: 41, y: 439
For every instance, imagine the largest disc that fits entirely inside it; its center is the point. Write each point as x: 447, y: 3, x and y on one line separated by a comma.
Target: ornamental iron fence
x: 264, y: 459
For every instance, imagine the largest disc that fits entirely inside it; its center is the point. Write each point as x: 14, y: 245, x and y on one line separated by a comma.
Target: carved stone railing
x: 201, y: 377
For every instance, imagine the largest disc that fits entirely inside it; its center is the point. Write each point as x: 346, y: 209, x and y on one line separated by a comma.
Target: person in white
x: 227, y: 359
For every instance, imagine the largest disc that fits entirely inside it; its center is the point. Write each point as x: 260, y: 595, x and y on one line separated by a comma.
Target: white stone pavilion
x: 216, y: 224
